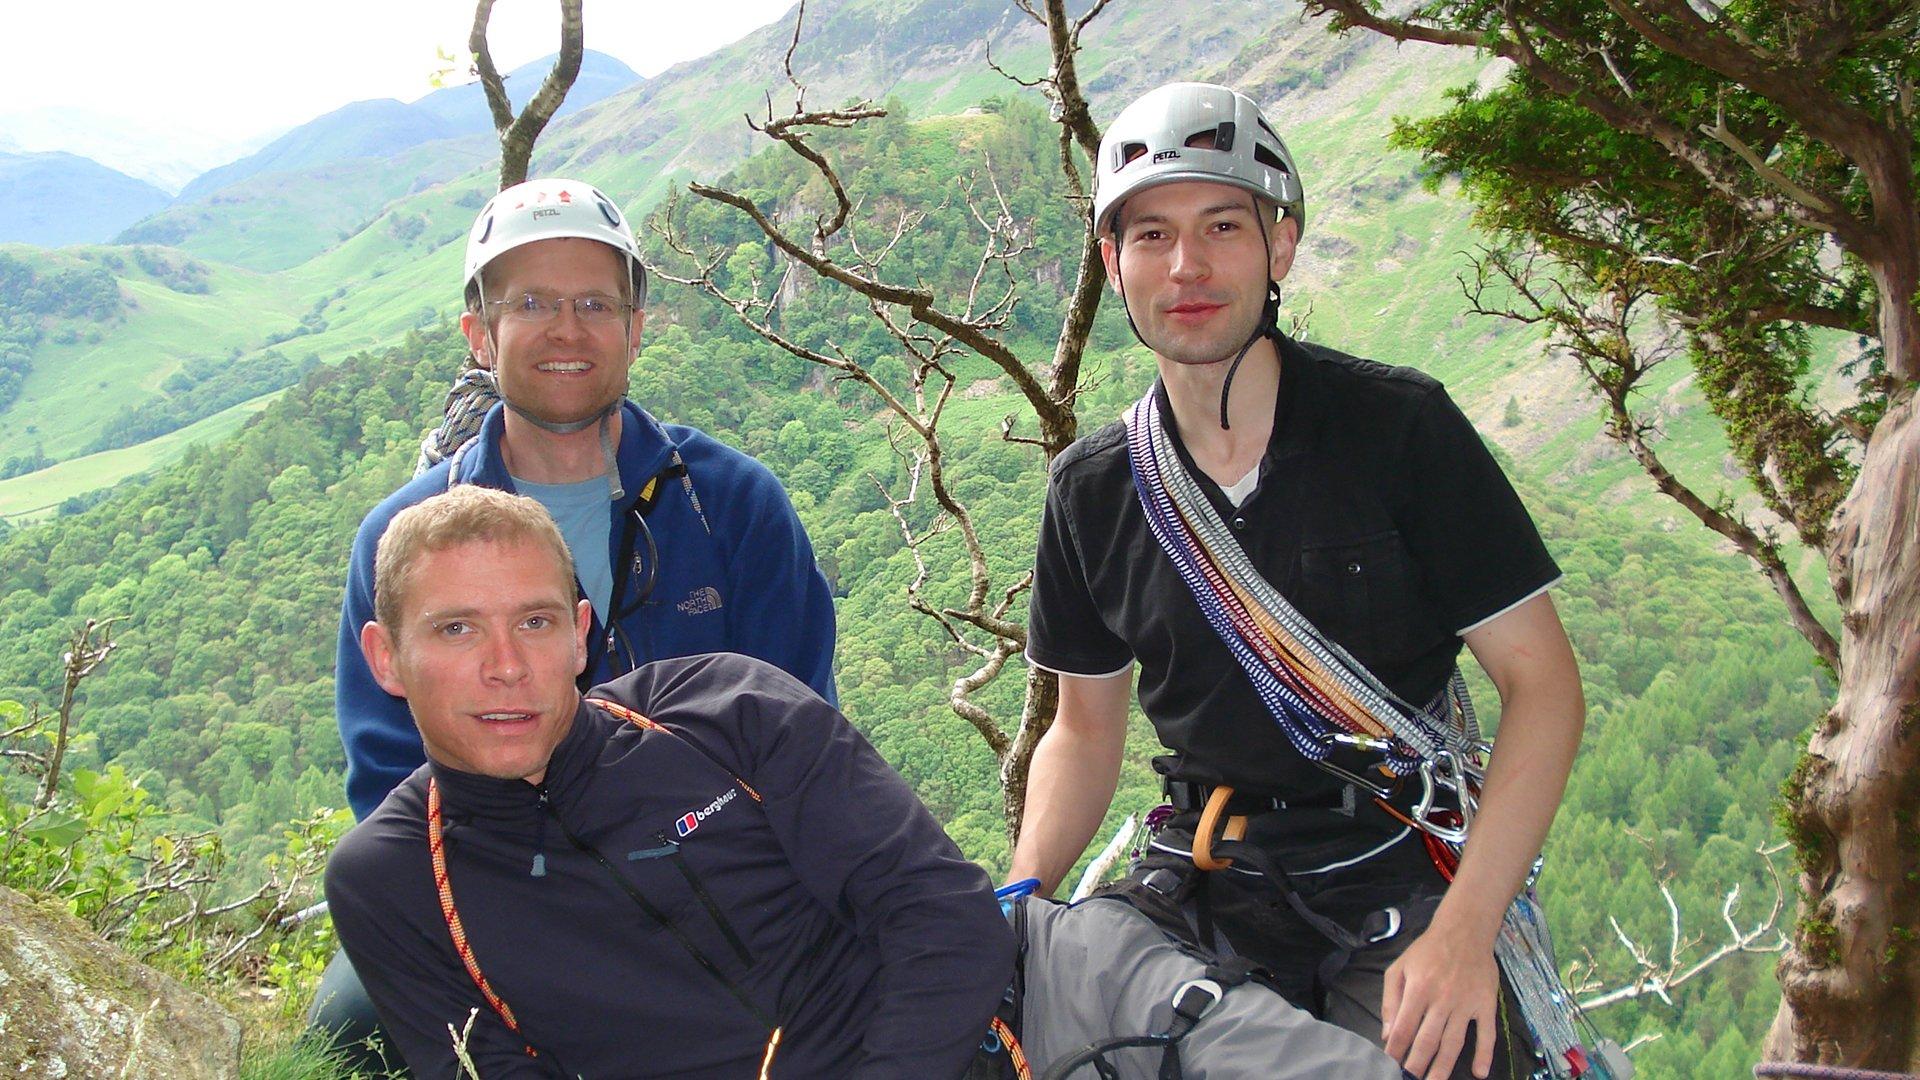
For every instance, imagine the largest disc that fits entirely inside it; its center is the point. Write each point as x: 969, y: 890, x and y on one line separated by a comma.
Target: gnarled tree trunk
x: 1851, y: 983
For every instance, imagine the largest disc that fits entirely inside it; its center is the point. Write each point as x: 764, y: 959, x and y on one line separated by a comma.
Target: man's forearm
x: 1542, y: 716
x: 1525, y: 781
x: 1538, y: 736
x: 1069, y: 788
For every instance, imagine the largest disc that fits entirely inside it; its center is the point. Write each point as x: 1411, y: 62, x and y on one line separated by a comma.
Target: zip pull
x: 540, y: 834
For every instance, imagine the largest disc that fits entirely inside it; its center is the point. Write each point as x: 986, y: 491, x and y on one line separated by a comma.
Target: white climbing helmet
x: 550, y: 209
x: 1153, y: 142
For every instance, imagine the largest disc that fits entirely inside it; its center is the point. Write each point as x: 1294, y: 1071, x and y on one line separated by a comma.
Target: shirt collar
x: 1292, y: 431
x: 645, y: 449
x: 474, y: 795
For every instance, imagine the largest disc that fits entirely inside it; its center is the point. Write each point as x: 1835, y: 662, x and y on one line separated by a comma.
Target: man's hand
x: 1445, y: 980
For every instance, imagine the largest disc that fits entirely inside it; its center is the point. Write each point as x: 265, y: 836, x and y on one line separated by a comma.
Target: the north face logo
x: 700, y: 601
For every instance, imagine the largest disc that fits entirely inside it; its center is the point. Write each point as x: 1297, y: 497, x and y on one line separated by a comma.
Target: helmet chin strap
x: 1268, y: 326
x: 604, y: 417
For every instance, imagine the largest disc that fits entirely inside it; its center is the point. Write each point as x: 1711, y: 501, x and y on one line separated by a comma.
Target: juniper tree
x: 1674, y: 177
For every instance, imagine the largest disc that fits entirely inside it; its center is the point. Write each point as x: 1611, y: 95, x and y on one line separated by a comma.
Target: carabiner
x: 1425, y: 806
x: 1378, y: 790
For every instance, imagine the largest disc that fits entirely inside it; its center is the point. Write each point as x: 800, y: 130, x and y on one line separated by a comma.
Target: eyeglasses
x: 535, y: 308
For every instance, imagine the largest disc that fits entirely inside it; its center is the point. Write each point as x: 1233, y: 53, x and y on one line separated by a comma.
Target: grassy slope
x: 75, y: 387
x: 38, y: 494
x: 280, y: 220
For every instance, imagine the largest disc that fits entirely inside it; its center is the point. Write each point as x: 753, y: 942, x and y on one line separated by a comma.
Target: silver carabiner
x: 1355, y: 779
x: 1421, y: 810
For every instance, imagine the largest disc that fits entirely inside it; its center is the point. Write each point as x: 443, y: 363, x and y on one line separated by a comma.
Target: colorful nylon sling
x: 1324, y: 699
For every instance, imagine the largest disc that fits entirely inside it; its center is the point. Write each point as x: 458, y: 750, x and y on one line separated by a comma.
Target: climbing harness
x: 1191, y: 1002
x: 1324, y: 699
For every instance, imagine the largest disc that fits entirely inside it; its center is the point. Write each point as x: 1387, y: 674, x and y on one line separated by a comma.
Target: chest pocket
x: 664, y: 845
x: 1363, y: 594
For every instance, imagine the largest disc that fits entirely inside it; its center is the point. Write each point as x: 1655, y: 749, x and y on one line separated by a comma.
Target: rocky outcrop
x: 72, y: 1005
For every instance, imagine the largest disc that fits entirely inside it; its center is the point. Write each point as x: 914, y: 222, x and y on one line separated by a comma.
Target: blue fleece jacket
x: 735, y: 573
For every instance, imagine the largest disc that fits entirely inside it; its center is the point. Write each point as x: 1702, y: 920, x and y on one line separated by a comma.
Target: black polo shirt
x: 1379, y: 514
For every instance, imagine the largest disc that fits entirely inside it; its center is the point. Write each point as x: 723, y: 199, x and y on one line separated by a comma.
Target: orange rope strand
x: 437, y: 847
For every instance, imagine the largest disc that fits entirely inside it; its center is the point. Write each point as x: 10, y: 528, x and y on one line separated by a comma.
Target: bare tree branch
x: 851, y: 245
x: 86, y: 651
x: 1601, y: 338
x: 517, y: 134
x: 1659, y: 977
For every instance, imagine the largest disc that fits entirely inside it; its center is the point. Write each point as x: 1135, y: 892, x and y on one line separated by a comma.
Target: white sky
x: 237, y: 68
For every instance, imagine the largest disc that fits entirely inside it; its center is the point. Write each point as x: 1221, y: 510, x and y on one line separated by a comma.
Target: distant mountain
x: 465, y: 107
x: 166, y: 154
x: 931, y: 55
x: 363, y: 129
x: 59, y: 198
x: 384, y: 127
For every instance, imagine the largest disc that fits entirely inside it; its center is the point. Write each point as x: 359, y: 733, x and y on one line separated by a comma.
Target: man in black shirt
x: 1362, y: 495
x: 700, y: 870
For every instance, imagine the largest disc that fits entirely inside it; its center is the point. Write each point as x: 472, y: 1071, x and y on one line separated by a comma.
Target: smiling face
x: 485, y: 647
x: 561, y: 370
x: 1193, y: 269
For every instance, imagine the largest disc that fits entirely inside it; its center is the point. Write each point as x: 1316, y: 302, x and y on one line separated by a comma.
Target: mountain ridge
x: 382, y: 127
x: 93, y: 201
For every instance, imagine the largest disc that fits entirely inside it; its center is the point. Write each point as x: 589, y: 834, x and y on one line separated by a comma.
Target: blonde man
x: 699, y: 869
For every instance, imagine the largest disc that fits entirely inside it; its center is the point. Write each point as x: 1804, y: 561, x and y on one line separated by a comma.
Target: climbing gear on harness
x: 1103, y: 982
x: 1193, y: 131
x: 1209, y: 823
x: 1324, y: 698
x: 1011, y: 893
x: 1002, y: 1055
x: 1321, y: 696
x: 1191, y: 1001
x: 443, y: 881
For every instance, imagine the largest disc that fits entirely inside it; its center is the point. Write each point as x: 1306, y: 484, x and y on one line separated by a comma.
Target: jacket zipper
x: 679, y: 861
x: 660, y: 917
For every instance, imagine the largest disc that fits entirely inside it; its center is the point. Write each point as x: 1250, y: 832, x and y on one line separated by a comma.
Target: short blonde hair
x: 465, y: 514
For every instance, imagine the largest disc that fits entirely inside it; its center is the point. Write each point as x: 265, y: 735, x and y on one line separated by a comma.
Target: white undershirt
x: 1238, y: 491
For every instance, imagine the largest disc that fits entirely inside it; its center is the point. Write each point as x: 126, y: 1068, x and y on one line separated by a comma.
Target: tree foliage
x: 1749, y: 169
x: 33, y: 300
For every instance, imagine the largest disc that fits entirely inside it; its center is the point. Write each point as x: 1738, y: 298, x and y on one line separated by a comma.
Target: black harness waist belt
x: 1188, y: 796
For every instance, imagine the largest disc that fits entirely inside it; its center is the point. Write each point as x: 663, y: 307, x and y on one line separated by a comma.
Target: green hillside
x: 281, y: 219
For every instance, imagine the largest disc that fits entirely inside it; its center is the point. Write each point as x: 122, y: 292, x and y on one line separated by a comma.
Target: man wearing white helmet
x: 682, y: 545
x: 1292, y: 544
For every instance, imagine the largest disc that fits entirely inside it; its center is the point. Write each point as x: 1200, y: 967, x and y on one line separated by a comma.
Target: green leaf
x: 58, y: 830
